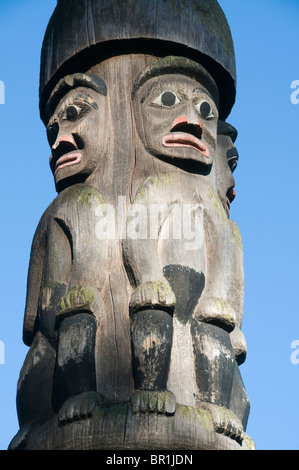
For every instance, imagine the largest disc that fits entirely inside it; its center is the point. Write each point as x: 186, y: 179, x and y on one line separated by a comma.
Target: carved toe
x: 79, y: 407
x: 144, y: 401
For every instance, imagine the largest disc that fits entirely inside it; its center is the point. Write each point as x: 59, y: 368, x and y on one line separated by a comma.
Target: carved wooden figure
x: 189, y: 281
x: 135, y: 287
x: 64, y: 302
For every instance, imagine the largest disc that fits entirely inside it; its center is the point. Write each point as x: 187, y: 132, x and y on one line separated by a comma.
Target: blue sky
x: 266, y: 41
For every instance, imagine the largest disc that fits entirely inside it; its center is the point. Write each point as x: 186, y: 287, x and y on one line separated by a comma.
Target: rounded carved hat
x: 81, y: 33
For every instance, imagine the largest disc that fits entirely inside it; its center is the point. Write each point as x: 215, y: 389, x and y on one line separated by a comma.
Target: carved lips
x: 186, y: 135
x: 66, y: 153
x: 230, y: 196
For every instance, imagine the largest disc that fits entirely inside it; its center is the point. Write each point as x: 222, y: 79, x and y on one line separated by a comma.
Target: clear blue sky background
x: 266, y: 40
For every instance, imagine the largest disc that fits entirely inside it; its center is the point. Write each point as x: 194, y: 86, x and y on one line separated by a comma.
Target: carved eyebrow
x: 202, y: 90
x: 160, y: 87
x: 76, y: 98
x: 227, y: 129
x: 232, y: 153
x: 71, y: 82
x: 177, y: 66
x: 87, y: 98
x: 153, y: 87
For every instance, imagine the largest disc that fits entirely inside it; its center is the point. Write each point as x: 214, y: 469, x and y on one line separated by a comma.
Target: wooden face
x: 77, y: 135
x: 177, y: 118
x: 226, y: 162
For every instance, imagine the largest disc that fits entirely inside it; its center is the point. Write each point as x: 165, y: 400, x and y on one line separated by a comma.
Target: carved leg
x: 35, y: 388
x: 217, y: 373
x: 151, y: 334
x: 74, y: 389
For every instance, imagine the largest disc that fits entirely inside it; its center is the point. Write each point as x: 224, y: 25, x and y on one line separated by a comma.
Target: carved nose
x: 52, y: 133
x: 182, y: 124
x: 65, y: 141
x: 231, y: 194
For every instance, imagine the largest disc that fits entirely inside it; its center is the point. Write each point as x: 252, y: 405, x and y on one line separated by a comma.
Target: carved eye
x: 72, y: 112
x: 233, y: 163
x: 52, y: 132
x: 205, y: 110
x: 232, y: 158
x: 167, y: 99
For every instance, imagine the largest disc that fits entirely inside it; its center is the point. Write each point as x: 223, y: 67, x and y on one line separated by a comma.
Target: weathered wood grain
x: 134, y: 319
x: 199, y: 26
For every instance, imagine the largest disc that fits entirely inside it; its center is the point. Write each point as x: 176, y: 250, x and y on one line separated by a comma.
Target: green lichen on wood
x: 83, y: 194
x: 90, y: 194
x: 153, y: 184
x: 34, y: 356
x: 223, y: 307
x: 77, y: 297
x: 197, y: 414
x: 237, y: 234
x: 154, y: 287
x: 50, y: 295
x: 224, y: 311
x: 117, y: 411
x: 248, y: 442
x: 217, y: 204
x: 153, y: 293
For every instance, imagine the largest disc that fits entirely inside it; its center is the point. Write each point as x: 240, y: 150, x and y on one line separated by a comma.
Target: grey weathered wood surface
x: 136, y: 343
x: 199, y: 26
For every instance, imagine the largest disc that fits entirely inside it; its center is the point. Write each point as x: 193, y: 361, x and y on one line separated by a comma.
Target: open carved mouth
x: 67, y: 160
x: 186, y: 135
x: 230, y: 196
x: 65, y: 154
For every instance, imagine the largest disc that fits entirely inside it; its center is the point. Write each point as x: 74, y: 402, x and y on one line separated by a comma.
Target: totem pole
x: 135, y: 286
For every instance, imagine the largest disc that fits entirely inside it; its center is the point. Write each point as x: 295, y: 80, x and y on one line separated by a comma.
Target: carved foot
x: 81, y: 299
x: 145, y: 401
x: 239, y: 345
x: 79, y: 407
x: 225, y: 421
x: 153, y: 294
x: 19, y: 441
x: 217, y: 312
